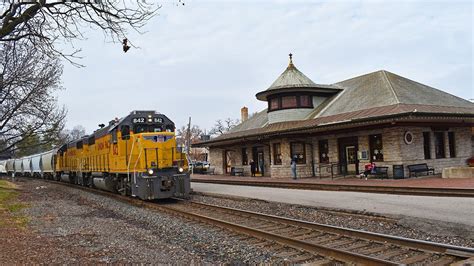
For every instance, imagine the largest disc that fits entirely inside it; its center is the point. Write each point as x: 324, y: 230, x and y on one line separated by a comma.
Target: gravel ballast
x: 71, y: 225
x: 422, y: 229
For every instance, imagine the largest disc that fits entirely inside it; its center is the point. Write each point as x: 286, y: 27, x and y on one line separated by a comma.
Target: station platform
x: 418, y: 182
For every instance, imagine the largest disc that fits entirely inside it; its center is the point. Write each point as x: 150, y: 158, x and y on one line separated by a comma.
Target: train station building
x: 338, y: 128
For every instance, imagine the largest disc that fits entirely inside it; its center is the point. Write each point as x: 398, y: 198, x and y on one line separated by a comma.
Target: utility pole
x: 188, y: 144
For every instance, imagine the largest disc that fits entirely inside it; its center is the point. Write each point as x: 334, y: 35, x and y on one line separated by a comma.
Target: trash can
x: 398, y: 171
x: 232, y: 171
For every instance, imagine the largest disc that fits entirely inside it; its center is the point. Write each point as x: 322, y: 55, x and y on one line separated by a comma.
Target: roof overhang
x: 319, y: 89
x: 409, y: 118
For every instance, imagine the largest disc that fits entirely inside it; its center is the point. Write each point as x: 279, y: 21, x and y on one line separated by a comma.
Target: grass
x: 9, y: 206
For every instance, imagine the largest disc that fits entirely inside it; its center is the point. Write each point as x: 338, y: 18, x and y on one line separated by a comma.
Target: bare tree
x: 221, y: 127
x: 28, y: 109
x: 68, y: 135
x: 44, y: 23
x: 197, y: 154
x: 196, y: 133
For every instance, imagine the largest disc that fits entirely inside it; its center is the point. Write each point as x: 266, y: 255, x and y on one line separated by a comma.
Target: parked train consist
x: 136, y: 155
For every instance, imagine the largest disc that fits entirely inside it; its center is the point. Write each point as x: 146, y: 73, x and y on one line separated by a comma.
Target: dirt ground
x: 47, y: 223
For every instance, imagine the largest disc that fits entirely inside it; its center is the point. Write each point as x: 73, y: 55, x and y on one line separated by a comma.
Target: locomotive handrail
x: 135, y: 166
x: 130, y: 159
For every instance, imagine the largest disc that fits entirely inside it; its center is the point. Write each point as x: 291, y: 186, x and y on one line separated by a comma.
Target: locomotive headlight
x: 150, y: 171
x: 181, y: 169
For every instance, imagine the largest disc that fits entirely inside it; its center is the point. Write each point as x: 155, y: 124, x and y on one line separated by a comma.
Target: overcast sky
x: 207, y: 59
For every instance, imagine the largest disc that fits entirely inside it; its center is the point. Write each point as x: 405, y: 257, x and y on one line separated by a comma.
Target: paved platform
x: 423, y: 182
x: 451, y: 210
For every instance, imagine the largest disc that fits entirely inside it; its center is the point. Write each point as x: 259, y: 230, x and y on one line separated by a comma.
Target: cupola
x: 293, y: 96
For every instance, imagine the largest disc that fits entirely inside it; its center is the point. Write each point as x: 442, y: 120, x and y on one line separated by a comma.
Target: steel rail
x: 463, y: 252
x: 329, y: 252
x: 336, y: 254
x: 345, y: 256
x: 415, y: 191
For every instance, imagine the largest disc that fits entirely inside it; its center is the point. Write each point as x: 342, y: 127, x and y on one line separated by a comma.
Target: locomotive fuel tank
x: 105, y: 183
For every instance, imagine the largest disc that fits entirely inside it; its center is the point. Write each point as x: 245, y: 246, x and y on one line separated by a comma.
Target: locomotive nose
x: 167, y: 184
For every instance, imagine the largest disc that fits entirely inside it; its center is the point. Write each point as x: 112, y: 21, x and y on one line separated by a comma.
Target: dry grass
x: 9, y: 206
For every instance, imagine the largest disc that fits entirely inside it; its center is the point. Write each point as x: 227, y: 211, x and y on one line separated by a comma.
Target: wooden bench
x: 238, y: 171
x: 419, y: 168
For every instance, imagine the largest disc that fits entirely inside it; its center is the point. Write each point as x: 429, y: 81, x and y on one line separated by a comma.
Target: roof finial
x: 291, y: 61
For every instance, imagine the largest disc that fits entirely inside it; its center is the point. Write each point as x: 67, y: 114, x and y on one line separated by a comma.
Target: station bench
x: 238, y: 171
x: 380, y: 171
x: 209, y: 171
x: 419, y: 168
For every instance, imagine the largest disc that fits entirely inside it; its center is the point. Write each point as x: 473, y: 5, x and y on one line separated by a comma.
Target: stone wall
x: 395, y: 151
x: 216, y: 160
x: 414, y: 153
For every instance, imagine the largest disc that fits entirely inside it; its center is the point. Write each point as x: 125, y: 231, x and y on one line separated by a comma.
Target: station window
x: 289, y: 101
x: 439, y: 145
x: 276, y: 153
x: 376, y: 148
x: 245, y: 158
x: 305, y: 101
x: 323, y: 151
x: 274, y: 104
x: 298, y: 152
x: 426, y: 145
x: 452, y: 145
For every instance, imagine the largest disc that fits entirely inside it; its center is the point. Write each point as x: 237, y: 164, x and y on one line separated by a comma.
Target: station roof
x: 293, y: 80
x: 367, y: 97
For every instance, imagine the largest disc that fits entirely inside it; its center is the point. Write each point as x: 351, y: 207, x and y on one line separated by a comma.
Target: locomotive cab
x: 145, y: 146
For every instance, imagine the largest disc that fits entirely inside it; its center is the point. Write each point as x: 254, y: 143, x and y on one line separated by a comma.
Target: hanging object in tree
x: 125, y: 45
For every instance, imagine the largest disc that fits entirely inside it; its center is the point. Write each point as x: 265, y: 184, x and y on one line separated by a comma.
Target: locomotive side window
x: 79, y: 145
x: 125, y: 132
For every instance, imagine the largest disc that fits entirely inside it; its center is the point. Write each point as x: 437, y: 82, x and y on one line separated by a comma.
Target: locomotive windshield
x: 150, y: 123
x: 151, y: 128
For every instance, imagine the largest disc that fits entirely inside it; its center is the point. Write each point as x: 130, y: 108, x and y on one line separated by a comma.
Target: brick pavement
x: 426, y: 181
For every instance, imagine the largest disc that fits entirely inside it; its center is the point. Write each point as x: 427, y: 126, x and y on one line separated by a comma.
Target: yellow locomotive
x: 136, y: 155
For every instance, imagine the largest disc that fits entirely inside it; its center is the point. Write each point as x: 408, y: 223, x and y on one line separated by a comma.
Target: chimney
x: 244, y: 114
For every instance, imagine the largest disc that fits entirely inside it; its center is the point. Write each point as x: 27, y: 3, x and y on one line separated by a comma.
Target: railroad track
x: 417, y: 191
x: 338, y: 243
x: 304, y: 242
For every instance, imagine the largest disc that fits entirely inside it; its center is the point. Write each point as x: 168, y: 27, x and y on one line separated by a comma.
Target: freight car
x: 136, y: 155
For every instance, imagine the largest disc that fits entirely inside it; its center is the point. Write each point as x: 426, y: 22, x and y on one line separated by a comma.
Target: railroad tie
x: 417, y: 258
x: 393, y: 253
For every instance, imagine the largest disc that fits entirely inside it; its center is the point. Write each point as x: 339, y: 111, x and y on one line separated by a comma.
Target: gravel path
x: 422, y: 229
x: 73, y: 226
